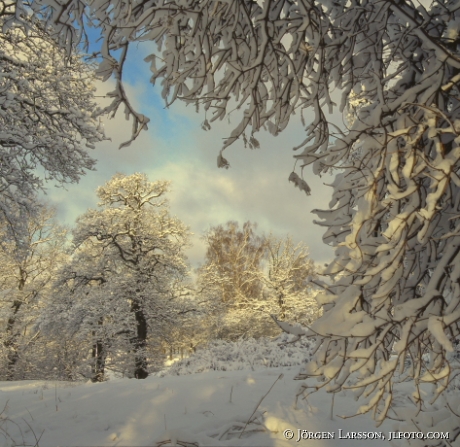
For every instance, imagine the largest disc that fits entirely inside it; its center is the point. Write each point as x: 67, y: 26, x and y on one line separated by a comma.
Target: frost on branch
x: 47, y: 117
x: 262, y: 58
x: 393, y: 309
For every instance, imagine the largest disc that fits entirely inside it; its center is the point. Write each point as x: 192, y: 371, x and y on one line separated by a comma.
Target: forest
x: 116, y: 292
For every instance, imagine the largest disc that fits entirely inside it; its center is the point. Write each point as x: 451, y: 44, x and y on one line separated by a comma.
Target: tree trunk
x: 140, y: 341
x: 10, y: 342
x: 282, y: 305
x: 99, y: 355
x: 98, y: 366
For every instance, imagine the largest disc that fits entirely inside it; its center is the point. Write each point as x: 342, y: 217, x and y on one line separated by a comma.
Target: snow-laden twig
x: 258, y: 404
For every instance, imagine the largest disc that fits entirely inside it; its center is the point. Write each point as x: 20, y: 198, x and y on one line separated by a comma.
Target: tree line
x: 116, y: 291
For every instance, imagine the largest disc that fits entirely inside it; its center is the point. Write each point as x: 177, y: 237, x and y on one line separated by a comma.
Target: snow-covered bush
x: 221, y: 355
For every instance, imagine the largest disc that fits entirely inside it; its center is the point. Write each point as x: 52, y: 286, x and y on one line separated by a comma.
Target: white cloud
x: 255, y: 188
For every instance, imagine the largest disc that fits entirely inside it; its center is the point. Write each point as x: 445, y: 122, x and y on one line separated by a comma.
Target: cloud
x: 255, y: 188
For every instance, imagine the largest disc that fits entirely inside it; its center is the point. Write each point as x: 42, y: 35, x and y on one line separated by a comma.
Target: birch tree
x: 286, y: 279
x: 230, y: 275
x: 248, y: 278
x: 233, y: 258
x: 394, y: 208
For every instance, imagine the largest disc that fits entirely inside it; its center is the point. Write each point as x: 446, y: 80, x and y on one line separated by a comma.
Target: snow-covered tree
x: 47, y: 117
x: 189, y: 326
x: 287, y: 281
x: 128, y: 255
x: 230, y: 274
x: 393, y: 216
x: 85, y: 311
x: 28, y: 266
x: 248, y: 278
x: 233, y: 258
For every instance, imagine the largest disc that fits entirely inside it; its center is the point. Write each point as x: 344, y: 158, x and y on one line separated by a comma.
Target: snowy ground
x: 124, y: 412
x: 210, y: 408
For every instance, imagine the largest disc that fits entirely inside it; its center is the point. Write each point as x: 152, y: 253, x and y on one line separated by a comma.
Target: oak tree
x: 118, y: 285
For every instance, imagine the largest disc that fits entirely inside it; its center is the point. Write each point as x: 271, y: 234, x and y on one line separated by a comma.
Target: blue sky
x: 175, y: 148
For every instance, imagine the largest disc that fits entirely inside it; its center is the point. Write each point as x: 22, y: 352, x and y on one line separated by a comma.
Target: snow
x: 210, y: 409
x: 285, y: 351
x: 194, y: 408
x: 235, y: 400
x: 436, y: 327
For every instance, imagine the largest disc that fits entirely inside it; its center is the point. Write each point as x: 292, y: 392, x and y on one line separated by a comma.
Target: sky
x: 175, y: 148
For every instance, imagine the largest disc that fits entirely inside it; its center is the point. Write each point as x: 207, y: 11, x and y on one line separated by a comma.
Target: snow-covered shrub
x: 221, y: 355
